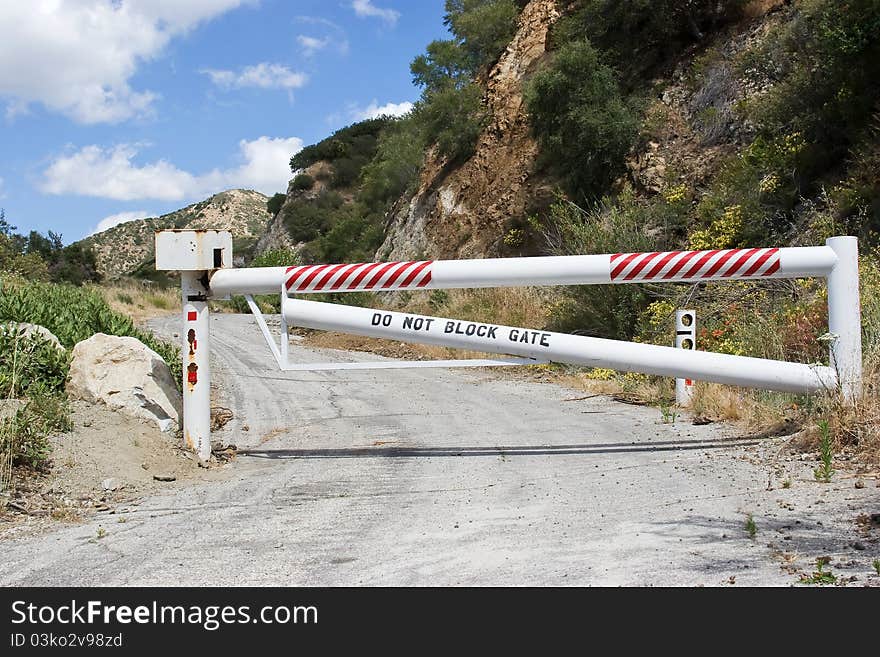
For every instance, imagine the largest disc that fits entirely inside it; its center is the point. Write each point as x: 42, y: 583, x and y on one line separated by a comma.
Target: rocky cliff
x: 466, y: 212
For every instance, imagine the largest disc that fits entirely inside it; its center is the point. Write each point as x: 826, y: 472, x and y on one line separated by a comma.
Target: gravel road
x: 432, y: 477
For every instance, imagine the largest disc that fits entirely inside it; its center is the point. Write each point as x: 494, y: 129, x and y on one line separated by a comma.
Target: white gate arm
x: 560, y: 347
x: 668, y: 266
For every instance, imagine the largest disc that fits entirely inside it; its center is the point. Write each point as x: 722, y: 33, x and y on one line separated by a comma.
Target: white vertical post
x: 685, y: 338
x: 845, y: 316
x: 285, y: 333
x: 196, y: 347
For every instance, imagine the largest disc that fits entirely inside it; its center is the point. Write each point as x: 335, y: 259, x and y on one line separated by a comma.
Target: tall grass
x: 24, y: 430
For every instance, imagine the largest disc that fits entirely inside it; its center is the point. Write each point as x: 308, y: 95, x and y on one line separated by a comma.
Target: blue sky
x: 114, y: 109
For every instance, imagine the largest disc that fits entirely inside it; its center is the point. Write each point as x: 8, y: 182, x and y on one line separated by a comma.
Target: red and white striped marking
x: 694, y: 265
x: 362, y: 276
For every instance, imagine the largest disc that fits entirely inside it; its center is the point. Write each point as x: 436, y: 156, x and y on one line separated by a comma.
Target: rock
x: 164, y: 477
x: 860, y: 484
x: 126, y: 375
x: 110, y: 484
x: 9, y: 407
x: 27, y: 330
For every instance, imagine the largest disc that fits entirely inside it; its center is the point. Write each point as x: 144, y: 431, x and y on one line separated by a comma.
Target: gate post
x: 196, y: 349
x: 845, y: 316
x: 196, y: 254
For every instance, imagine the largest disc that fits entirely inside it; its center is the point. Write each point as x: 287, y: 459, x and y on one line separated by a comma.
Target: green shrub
x: 395, y: 168
x: 452, y: 117
x: 354, y: 236
x: 484, y: 27
x: 306, y: 219
x: 640, y: 36
x: 30, y: 362
x: 825, y: 64
x: 355, y: 141
x: 581, y: 120
x: 24, y: 436
x: 74, y: 314
x: 608, y: 311
x: 273, y: 205
x: 276, y: 258
x: 301, y: 183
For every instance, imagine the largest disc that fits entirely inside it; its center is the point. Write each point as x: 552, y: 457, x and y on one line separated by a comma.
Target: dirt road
x: 420, y: 477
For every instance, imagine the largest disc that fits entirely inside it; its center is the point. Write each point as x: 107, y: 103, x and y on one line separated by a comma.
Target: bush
x: 607, y: 311
x: 276, y: 258
x: 395, y: 168
x: 24, y: 436
x: 354, y: 236
x: 30, y: 362
x: 452, y: 118
x: 273, y: 205
x: 826, y: 66
x: 581, y: 120
x: 74, y: 314
x: 639, y: 36
x: 306, y: 219
x: 355, y: 141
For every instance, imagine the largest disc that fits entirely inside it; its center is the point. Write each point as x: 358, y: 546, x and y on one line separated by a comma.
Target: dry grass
x: 140, y: 301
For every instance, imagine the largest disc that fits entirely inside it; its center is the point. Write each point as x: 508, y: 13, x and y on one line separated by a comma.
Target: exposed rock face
x: 466, y: 212
x: 126, y: 375
x: 26, y: 330
x: 122, y: 249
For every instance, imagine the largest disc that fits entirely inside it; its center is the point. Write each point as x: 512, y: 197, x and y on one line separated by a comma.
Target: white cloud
x: 120, y: 218
x: 374, y: 110
x: 311, y: 45
x: 77, y: 57
x: 111, y: 173
x: 2, y: 193
x: 366, y: 9
x: 263, y: 76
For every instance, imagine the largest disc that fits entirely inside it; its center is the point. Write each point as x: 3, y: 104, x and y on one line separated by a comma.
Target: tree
x: 5, y: 227
x: 444, y: 65
x: 483, y: 27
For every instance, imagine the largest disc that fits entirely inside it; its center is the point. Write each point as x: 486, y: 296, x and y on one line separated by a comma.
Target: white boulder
x: 126, y: 375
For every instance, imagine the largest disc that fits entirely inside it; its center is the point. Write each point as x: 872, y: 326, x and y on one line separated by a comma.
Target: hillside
x: 746, y: 113
x: 122, y: 249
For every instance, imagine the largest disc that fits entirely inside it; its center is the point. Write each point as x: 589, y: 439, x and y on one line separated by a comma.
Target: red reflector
x: 192, y: 377
x: 688, y: 382
x: 191, y: 316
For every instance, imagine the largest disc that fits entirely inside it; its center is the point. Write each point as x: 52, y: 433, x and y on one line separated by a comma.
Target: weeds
x: 876, y: 564
x: 824, y: 472
x: 820, y: 575
x: 668, y: 413
x: 751, y: 527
